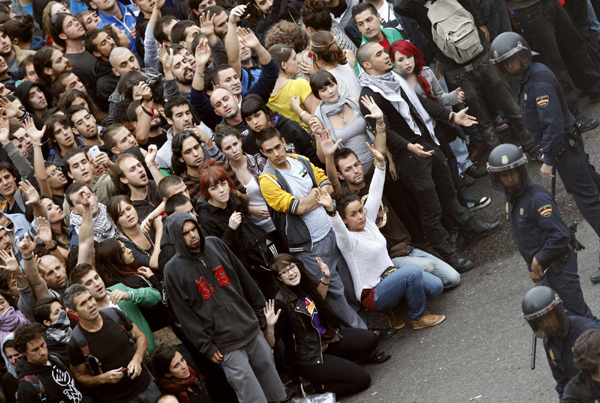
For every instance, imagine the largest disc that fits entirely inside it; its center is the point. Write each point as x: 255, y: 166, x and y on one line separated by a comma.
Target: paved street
x: 481, y: 353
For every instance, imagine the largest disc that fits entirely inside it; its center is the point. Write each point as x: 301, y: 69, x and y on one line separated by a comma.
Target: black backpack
x: 258, y: 245
x: 85, y: 348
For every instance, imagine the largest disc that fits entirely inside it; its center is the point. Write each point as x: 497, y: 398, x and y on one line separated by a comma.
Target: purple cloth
x: 10, y: 320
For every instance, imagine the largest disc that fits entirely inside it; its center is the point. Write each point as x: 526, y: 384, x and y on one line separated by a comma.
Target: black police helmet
x: 508, y: 47
x: 503, y: 158
x: 539, y: 304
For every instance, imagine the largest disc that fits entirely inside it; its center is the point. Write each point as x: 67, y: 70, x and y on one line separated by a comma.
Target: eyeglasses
x: 286, y: 272
x: 55, y: 171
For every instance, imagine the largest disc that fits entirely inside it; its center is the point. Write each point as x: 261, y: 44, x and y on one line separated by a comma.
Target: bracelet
x: 28, y: 258
x: 52, y: 249
x: 303, y: 112
x: 382, y: 166
x: 149, y: 113
x: 21, y: 274
x: 200, y: 74
x: 380, y: 129
x: 323, y: 282
x: 37, y: 145
x: 269, y: 334
x: 154, y: 165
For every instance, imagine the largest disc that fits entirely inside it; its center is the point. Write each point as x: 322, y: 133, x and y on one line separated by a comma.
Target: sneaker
x: 595, y: 277
x: 427, y: 320
x: 379, y: 356
x: 537, y: 155
x: 384, y: 334
x: 394, y: 320
x: 475, y: 203
x: 466, y: 180
x: 476, y: 171
x: 500, y: 125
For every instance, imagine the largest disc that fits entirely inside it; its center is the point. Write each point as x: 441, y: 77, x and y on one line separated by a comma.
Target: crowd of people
x: 222, y: 201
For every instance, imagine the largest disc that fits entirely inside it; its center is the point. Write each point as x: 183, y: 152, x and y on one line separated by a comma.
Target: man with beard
x: 38, y: 368
x: 129, y: 172
x: 49, y: 63
x: 117, y: 139
x: 119, y: 295
x: 181, y: 69
x: 151, y: 126
x: 100, y: 43
x: 68, y: 33
x: 112, y: 12
x: 34, y: 100
x: 67, y: 81
x: 204, y: 275
x: 179, y: 116
x: 189, y: 151
x: 84, y: 124
x: 415, y: 149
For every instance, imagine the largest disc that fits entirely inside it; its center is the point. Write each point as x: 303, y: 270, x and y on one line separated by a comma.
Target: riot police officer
x: 544, y: 312
x: 547, y: 117
x: 541, y: 235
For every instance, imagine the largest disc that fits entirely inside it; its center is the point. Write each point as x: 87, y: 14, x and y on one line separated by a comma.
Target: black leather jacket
x: 302, y: 340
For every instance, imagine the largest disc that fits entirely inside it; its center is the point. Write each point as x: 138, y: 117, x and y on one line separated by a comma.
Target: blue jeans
x: 430, y: 264
x: 411, y: 281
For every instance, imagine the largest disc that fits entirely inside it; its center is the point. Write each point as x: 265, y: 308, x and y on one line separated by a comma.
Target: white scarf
x: 389, y: 85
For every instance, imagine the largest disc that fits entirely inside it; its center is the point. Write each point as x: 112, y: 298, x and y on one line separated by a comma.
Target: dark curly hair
x: 26, y: 333
x: 343, y: 197
x: 286, y: 33
x: 316, y: 16
x: 586, y: 352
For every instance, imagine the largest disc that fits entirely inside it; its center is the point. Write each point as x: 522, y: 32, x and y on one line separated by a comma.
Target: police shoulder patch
x: 543, y: 101
x: 545, y: 211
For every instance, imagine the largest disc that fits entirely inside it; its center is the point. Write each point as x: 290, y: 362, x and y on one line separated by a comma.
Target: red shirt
x: 386, y: 45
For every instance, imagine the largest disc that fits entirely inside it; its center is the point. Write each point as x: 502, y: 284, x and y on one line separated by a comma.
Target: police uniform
x: 547, y: 117
x: 559, y: 351
x: 540, y: 232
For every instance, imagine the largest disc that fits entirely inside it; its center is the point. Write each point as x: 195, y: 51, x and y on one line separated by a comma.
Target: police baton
x: 533, y: 348
x: 553, y: 185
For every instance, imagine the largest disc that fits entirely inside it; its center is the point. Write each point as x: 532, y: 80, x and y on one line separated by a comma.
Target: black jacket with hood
x: 22, y: 92
x: 216, y: 301
x: 57, y: 380
x: 106, y: 82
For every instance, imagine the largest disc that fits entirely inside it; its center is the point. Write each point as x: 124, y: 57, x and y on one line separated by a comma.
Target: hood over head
x: 9, y: 367
x: 175, y: 228
x: 22, y: 92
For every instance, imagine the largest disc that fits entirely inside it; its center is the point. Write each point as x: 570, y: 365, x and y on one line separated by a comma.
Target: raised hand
x: 144, y: 91
x: 165, y: 57
x: 207, y: 26
x: 247, y: 38
x: 202, y: 53
x: 378, y: 156
x: 4, y: 131
x: 236, y: 14
x: 84, y: 197
x: 27, y: 246
x: 10, y: 261
x: 270, y: 315
x: 324, y: 199
x: 33, y: 197
x: 324, y: 268
x: 151, y: 155
x: 370, y: 104
x: 10, y: 109
x: 44, y: 232
x: 463, y: 119
x: 35, y: 134
x: 326, y: 143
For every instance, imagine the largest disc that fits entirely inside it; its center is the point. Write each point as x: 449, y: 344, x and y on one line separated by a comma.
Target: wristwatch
x: 334, y: 211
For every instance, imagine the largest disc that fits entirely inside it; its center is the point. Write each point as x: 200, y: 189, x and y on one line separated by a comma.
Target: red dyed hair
x: 408, y: 49
x: 210, y: 174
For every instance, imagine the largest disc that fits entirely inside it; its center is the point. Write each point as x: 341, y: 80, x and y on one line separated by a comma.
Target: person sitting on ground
x: 378, y: 284
x: 174, y: 375
x: 315, y: 346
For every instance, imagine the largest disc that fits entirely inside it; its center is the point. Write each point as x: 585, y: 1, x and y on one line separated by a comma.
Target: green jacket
x: 146, y: 297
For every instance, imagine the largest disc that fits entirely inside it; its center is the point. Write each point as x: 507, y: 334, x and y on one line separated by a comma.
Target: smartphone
x: 248, y: 9
x: 94, y: 151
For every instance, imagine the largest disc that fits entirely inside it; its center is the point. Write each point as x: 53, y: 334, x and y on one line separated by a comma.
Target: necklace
x: 342, y: 114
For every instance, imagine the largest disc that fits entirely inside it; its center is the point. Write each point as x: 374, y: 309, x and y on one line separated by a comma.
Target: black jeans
x: 430, y: 181
x: 473, y: 83
x: 338, y: 373
x: 549, y: 30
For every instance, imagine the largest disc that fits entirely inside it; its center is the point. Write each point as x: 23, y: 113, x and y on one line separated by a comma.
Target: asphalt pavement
x: 482, y: 352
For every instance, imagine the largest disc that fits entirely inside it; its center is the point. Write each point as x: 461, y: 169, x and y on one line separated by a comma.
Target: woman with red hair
x: 410, y: 64
x: 221, y: 214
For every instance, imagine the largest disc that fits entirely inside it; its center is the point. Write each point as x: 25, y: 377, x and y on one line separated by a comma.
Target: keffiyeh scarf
x: 389, y: 85
x: 104, y: 228
x: 60, y: 329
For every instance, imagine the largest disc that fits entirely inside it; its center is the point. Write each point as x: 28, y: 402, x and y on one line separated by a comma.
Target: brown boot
x: 427, y: 320
x: 394, y: 320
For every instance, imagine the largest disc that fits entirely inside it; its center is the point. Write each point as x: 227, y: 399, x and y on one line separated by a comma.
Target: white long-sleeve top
x: 365, y: 251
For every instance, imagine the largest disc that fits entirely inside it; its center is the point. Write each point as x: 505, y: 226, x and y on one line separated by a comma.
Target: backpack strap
x: 82, y: 343
x: 115, y: 317
x: 37, y: 384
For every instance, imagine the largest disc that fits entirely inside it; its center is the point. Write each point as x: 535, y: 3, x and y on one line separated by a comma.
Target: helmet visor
x: 515, y: 65
x: 511, y: 180
x: 550, y: 324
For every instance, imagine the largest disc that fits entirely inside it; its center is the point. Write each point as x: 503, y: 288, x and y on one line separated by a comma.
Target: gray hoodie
x: 216, y: 301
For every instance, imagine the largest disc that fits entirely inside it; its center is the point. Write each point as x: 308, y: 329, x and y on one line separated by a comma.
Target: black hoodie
x: 216, y: 301
x: 58, y: 382
x: 22, y: 92
x: 106, y: 82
